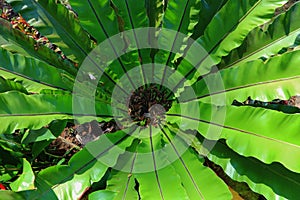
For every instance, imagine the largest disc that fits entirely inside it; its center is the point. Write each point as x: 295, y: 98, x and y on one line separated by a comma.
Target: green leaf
x: 7, y: 85
x: 62, y: 179
x: 273, y: 180
x: 34, y: 74
x: 120, y: 183
x: 197, y: 179
x: 56, y: 128
x: 277, y: 143
x: 10, y: 195
x: 96, y: 17
x: 102, y: 195
x: 267, y: 41
x: 133, y: 16
x: 34, y: 111
x: 277, y: 78
x: 4, y: 177
x: 176, y: 18
x: 155, y: 10
x: 5, y: 44
x: 26, y: 180
x: 33, y: 48
x: 208, y: 8
x: 37, y: 135
x: 46, y: 17
x: 11, y: 153
x: 233, y: 30
x: 177, y: 15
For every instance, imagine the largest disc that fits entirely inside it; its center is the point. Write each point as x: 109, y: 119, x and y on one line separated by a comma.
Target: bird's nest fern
x: 167, y: 73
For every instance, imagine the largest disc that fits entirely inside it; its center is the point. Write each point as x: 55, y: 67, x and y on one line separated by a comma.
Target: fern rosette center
x: 148, y: 104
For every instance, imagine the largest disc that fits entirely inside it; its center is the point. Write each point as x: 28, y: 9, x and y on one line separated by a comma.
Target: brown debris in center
x: 148, y: 103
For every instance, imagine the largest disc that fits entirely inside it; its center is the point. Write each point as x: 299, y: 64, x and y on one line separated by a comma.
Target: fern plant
x: 170, y: 74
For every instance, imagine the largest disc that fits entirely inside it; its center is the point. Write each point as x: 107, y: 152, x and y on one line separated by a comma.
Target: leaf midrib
x: 33, y: 80
x: 235, y: 129
x: 244, y: 86
x: 182, y: 162
x: 261, y: 49
x: 154, y: 163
